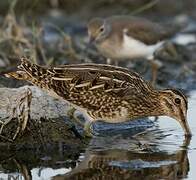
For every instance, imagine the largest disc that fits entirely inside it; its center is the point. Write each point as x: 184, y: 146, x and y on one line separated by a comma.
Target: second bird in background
x: 128, y: 37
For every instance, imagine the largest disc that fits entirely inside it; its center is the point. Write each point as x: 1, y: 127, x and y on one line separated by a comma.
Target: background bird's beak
x: 91, y: 40
x: 185, y: 126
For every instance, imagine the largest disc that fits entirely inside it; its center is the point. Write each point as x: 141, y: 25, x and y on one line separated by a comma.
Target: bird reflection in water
x: 123, y: 164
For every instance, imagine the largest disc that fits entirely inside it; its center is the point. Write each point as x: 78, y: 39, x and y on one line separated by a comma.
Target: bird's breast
x: 132, y: 48
x: 117, y: 116
x: 109, y: 47
x: 113, y: 114
x: 127, y: 48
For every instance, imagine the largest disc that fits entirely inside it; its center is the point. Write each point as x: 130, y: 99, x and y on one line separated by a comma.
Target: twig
x: 12, y: 6
x: 64, y: 35
x: 145, y: 7
x: 7, y: 139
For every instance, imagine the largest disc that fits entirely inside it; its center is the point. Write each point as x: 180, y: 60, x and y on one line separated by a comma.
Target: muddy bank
x: 42, y: 105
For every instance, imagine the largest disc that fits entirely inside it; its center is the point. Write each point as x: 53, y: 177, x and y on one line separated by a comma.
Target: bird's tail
x: 28, y: 71
x: 39, y: 76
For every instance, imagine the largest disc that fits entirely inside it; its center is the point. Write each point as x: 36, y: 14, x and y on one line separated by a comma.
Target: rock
x: 2, y: 63
x: 47, y: 124
x: 42, y: 105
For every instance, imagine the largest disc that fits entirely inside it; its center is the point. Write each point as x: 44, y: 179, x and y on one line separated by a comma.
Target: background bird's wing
x: 149, y: 33
x: 144, y: 30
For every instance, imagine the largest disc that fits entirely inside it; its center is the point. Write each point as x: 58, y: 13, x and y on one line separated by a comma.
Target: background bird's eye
x: 101, y: 29
x: 177, y: 101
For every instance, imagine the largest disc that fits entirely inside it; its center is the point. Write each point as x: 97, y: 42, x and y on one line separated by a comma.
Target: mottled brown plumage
x: 104, y: 92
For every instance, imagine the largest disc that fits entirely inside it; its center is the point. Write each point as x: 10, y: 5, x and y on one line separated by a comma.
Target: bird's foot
x: 75, y: 131
x: 88, y: 131
x: 70, y: 114
x: 82, y: 138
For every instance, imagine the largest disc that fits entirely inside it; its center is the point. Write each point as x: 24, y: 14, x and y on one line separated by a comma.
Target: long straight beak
x: 185, y: 126
x: 91, y: 40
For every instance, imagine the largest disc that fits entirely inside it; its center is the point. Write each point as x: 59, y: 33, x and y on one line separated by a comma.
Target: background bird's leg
x: 116, y: 63
x: 154, y: 68
x: 155, y: 64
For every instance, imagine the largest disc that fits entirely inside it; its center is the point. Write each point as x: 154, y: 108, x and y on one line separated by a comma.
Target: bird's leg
x: 156, y: 118
x: 112, y: 62
x: 86, y: 125
x: 154, y: 68
x: 70, y: 114
x: 116, y: 63
x: 88, y: 129
x: 75, y: 131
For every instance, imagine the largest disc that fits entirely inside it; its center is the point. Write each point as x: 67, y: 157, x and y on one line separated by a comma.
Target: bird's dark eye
x: 101, y: 29
x: 177, y: 101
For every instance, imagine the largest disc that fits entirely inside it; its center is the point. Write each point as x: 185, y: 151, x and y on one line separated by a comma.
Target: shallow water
x: 159, y: 152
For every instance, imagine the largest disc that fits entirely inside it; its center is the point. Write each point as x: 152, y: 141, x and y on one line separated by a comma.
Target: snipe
x: 104, y: 92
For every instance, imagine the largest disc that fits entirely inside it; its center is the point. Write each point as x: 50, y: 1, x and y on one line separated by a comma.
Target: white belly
x: 133, y: 48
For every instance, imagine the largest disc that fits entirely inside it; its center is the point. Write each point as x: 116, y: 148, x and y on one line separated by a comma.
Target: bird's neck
x: 147, y: 106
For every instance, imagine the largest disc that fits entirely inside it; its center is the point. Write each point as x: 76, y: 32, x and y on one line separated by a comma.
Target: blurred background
x: 53, y: 32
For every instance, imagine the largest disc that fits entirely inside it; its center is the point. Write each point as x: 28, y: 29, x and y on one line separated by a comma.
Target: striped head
x: 174, y: 104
